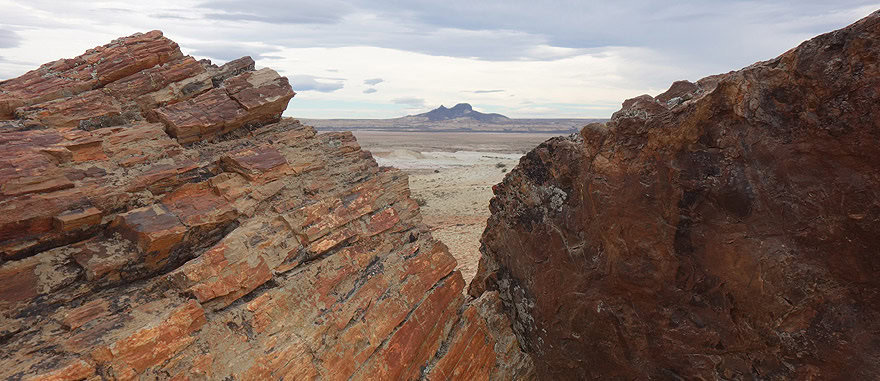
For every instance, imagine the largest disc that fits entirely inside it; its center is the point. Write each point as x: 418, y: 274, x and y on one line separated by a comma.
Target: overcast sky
x: 388, y: 58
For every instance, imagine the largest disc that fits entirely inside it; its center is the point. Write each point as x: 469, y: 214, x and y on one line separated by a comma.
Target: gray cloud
x: 9, y: 39
x: 367, y: 91
x: 4, y: 75
x: 278, y: 11
x: 716, y: 31
x: 582, y: 24
x: 374, y: 81
x: 304, y: 82
x: 704, y: 31
x: 171, y: 16
x: 410, y: 101
x: 116, y: 10
x: 708, y: 35
x: 696, y: 37
x: 487, y: 91
x: 230, y: 51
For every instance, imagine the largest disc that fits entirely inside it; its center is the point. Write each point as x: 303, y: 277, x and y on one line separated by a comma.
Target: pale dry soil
x: 452, y: 175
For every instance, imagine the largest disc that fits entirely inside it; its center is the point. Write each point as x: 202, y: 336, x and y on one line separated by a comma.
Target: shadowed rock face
x: 158, y: 221
x: 727, y: 229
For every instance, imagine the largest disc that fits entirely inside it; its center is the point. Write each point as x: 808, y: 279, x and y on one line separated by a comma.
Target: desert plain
x: 451, y: 175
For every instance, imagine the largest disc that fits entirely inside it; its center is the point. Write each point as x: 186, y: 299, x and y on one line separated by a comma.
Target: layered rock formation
x: 158, y: 220
x: 726, y: 229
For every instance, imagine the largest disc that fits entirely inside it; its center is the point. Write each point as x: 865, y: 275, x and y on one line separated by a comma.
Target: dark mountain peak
x: 462, y: 110
x: 462, y: 107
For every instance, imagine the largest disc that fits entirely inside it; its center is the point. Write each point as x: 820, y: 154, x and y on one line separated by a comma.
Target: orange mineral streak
x: 160, y: 220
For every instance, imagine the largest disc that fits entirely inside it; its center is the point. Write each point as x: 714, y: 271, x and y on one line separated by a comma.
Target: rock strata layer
x: 159, y: 220
x: 726, y: 229
x: 145, y: 77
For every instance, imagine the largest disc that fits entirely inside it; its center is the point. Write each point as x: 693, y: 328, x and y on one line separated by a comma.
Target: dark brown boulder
x: 728, y: 229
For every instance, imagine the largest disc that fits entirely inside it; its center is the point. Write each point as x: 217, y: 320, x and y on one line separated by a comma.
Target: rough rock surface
x: 158, y: 221
x: 145, y: 77
x: 727, y: 229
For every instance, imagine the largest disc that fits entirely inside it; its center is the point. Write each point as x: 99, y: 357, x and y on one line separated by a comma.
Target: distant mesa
x: 460, y: 118
x: 462, y: 110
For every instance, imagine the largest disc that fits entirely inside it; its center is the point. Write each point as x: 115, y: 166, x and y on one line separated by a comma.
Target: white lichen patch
x: 556, y: 197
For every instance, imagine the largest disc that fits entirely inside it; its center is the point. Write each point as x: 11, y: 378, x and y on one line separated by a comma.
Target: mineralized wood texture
x: 728, y: 229
x: 145, y: 77
x: 260, y: 251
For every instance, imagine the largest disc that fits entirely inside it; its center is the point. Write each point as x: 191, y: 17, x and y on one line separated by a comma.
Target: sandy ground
x: 452, y: 175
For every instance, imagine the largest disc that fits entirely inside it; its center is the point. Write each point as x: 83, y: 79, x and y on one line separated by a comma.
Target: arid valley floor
x: 452, y: 174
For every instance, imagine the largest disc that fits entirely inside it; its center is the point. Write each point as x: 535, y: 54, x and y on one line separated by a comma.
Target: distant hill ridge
x: 460, y: 118
x: 462, y: 110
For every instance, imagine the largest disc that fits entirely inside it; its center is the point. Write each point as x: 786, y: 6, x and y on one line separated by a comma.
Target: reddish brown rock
x: 252, y: 97
x: 482, y: 347
x: 156, y: 231
x: 80, y: 316
x: 78, y: 218
x: 154, y: 344
x: 266, y: 252
x: 74, y: 371
x: 207, y: 115
x: 726, y: 229
x: 155, y: 78
x: 96, y: 68
x: 36, y: 184
x: 145, y: 77
x: 69, y: 112
x: 260, y: 92
x: 254, y: 163
x: 229, y: 69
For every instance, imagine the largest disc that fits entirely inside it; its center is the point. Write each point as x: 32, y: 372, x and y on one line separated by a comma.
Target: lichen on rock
x: 725, y: 229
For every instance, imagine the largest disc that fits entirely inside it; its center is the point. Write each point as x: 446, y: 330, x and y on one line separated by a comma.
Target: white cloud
x: 576, y: 58
x: 225, y: 51
x: 278, y: 11
x: 412, y: 102
x: 8, y: 39
x: 424, y: 81
x: 312, y: 83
